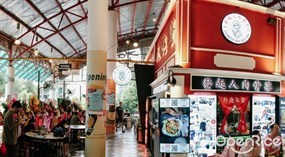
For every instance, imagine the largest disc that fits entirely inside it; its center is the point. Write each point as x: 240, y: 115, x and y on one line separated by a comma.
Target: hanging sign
x: 64, y: 66
x: 122, y: 75
x: 234, y: 84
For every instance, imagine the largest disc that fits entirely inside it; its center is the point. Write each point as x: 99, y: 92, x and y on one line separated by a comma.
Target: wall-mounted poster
x: 174, y: 125
x: 263, y: 113
x: 203, y: 121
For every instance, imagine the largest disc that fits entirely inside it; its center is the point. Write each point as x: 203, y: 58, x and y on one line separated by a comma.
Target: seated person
x: 75, y: 120
x: 273, y: 148
x: 250, y: 149
x: 61, y: 130
x: 30, y: 123
x: 127, y: 114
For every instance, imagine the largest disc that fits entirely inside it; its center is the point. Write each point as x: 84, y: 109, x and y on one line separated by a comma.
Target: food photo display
x: 174, y: 125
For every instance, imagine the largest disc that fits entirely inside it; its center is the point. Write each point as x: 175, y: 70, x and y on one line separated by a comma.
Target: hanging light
x: 135, y: 44
x: 17, y: 42
x: 50, y: 60
x: 154, y: 18
x: 18, y: 25
x: 36, y: 52
x: 127, y: 41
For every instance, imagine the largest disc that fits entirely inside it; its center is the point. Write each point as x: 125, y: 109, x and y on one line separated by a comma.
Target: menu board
x: 263, y: 113
x: 203, y: 115
x: 174, y: 125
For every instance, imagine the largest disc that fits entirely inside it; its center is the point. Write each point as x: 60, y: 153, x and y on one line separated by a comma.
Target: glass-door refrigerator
x: 203, y: 125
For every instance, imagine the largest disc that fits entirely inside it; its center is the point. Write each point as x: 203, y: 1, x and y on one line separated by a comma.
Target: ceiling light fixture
x: 153, y: 19
x: 135, y: 44
x: 36, y: 52
x: 127, y: 41
x: 17, y: 42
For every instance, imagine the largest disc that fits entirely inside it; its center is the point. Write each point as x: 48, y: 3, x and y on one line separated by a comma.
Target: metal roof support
x: 160, y: 15
x: 26, y: 25
x: 128, y: 3
x: 72, y: 25
x: 134, y: 29
x: 119, y: 20
x: 46, y: 19
x: 55, y: 15
x: 271, y: 4
x: 146, y: 17
x: 44, y: 39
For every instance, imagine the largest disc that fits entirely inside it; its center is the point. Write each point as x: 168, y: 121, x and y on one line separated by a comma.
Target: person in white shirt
x: 252, y: 148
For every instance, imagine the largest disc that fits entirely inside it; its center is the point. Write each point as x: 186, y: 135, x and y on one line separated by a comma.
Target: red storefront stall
x: 230, y: 63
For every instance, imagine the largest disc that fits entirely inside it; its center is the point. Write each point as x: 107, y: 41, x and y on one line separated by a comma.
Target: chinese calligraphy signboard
x: 234, y: 84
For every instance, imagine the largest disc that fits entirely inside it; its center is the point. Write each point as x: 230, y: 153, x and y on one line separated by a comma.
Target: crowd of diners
x: 35, y: 115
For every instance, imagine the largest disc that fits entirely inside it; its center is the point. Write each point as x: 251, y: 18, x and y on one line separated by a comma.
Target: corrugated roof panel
x: 66, y: 4
x: 58, y: 41
x: 75, y: 14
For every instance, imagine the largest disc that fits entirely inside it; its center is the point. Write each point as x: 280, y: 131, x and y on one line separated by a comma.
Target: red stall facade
x: 228, y: 58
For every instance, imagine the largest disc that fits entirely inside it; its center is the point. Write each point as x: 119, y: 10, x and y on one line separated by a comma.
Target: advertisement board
x: 263, y: 113
x: 203, y: 124
x: 174, y: 125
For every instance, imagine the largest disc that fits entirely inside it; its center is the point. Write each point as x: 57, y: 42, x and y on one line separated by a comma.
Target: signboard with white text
x: 234, y: 84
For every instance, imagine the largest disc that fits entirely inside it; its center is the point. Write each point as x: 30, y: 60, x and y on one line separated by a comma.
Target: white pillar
x: 112, y: 41
x: 10, y: 79
x: 96, y: 76
x: 111, y: 86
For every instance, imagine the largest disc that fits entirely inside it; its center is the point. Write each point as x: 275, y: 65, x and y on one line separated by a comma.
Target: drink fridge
x: 203, y: 113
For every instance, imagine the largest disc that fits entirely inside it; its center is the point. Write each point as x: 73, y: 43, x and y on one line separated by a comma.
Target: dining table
x: 77, y: 127
x: 44, y: 144
x: 48, y: 136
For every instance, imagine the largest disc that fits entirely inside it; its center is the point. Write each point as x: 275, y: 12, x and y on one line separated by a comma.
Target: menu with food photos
x: 174, y: 125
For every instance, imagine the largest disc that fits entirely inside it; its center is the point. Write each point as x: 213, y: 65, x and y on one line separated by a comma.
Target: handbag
x: 3, y: 149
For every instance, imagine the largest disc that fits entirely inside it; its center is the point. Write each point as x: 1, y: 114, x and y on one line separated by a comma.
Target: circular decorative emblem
x: 122, y: 75
x: 236, y: 28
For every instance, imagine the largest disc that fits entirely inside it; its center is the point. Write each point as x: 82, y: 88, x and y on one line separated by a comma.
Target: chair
x: 42, y: 148
x: 21, y: 146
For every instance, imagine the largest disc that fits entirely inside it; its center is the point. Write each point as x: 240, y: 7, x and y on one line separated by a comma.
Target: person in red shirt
x: 273, y: 142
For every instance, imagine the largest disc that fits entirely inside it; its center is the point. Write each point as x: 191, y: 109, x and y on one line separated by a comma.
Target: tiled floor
x: 120, y: 145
